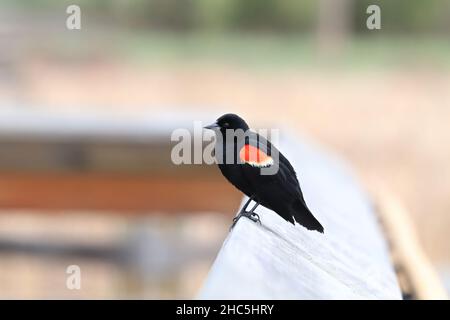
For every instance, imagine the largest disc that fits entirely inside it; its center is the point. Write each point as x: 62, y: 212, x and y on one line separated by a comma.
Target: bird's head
x: 228, y: 121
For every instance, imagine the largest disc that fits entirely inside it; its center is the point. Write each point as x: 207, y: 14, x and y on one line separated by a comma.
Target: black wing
x: 285, y: 177
x: 286, y: 180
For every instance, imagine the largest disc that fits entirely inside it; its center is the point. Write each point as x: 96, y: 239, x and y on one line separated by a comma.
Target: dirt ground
x: 392, y: 126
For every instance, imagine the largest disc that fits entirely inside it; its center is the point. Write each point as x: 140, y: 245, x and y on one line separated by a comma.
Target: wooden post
x: 420, y: 279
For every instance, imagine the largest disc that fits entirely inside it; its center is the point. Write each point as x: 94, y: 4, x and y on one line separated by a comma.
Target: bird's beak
x: 212, y: 126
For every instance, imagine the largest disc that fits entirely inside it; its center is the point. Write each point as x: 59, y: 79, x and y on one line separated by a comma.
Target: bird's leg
x: 242, y: 211
x: 248, y: 214
x: 253, y: 215
x: 246, y: 205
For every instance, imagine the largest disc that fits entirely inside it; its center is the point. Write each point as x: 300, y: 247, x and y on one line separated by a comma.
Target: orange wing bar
x: 254, y: 156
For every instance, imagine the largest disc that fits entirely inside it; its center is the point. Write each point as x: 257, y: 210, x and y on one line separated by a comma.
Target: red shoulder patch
x: 254, y: 156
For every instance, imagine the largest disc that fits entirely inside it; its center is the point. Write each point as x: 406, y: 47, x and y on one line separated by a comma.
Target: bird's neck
x: 228, y: 148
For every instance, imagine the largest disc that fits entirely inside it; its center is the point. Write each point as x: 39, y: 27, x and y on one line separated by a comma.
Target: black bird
x: 242, y: 157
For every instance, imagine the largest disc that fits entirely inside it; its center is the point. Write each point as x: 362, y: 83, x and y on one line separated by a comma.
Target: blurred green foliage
x: 292, y: 16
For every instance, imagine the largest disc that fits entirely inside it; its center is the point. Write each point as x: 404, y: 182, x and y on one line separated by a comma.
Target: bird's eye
x: 226, y: 124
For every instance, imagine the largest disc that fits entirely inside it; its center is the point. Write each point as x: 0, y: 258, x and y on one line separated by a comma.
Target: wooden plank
x: 280, y: 261
x: 137, y: 193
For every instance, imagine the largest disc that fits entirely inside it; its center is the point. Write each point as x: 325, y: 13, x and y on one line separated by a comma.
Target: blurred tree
x: 334, y: 24
x: 213, y: 15
x: 176, y: 15
x: 273, y: 15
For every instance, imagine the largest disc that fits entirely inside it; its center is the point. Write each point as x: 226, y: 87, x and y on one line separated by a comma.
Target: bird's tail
x: 304, y: 217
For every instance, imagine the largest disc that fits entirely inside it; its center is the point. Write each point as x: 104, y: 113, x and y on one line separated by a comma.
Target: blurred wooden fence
x: 49, y: 162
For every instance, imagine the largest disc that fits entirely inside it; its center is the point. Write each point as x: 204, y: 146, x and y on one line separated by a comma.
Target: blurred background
x: 86, y: 117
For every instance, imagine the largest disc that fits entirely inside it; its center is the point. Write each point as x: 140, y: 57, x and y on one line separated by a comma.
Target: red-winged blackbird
x: 242, y: 157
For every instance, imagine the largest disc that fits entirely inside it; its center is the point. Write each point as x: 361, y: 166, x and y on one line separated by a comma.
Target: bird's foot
x: 250, y: 215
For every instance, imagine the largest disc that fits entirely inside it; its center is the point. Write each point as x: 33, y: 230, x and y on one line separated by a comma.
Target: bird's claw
x: 250, y: 215
x: 255, y: 218
x: 235, y: 220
